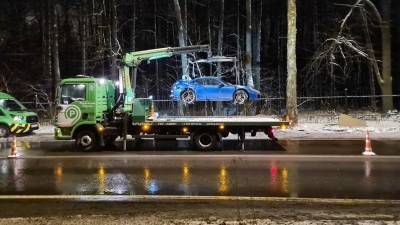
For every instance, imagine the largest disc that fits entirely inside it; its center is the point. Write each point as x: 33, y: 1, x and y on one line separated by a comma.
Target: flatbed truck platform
x: 207, y: 132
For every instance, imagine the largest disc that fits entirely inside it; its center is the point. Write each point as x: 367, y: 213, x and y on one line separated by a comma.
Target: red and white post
x: 368, y: 146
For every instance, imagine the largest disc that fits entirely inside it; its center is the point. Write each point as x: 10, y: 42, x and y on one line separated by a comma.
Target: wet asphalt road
x: 256, y: 176
x: 321, y: 169
x: 183, y: 147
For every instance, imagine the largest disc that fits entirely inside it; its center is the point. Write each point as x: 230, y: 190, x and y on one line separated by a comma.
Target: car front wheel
x: 240, y: 97
x: 188, y: 96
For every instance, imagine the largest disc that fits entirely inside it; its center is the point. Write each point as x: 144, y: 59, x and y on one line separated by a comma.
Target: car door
x: 226, y: 91
x: 212, y: 90
x: 199, y: 86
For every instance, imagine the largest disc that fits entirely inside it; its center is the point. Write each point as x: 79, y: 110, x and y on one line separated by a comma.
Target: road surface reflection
x: 278, y: 178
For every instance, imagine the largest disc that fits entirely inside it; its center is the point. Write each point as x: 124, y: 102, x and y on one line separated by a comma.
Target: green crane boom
x: 133, y: 60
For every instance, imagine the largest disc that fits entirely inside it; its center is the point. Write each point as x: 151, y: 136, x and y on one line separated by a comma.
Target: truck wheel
x: 240, y: 97
x: 206, y: 141
x: 4, y: 131
x: 86, y: 141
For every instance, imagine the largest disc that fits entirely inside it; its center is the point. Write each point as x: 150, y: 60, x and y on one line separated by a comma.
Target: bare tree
x: 257, y: 45
x: 221, y: 35
x: 84, y: 35
x: 386, y: 82
x: 345, y: 46
x: 56, y: 59
x: 248, y: 58
x: 114, y: 39
x: 291, y: 88
x: 133, y: 45
x: 181, y: 34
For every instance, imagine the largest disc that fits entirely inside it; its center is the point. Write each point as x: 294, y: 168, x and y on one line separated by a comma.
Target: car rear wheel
x: 240, y: 97
x: 4, y: 131
x: 188, y: 96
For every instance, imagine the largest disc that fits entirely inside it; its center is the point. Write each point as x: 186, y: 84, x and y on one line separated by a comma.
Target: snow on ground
x: 320, y: 126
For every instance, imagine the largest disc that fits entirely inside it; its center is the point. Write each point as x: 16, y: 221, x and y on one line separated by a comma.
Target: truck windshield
x: 72, y: 92
x: 11, y: 105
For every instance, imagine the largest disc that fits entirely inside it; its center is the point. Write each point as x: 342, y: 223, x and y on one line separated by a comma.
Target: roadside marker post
x: 368, y: 146
x: 13, y: 147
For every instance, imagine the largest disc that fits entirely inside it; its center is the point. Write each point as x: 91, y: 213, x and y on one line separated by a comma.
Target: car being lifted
x: 212, y: 89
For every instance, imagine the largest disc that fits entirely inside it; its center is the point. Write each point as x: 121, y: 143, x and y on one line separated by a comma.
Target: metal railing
x: 326, y: 105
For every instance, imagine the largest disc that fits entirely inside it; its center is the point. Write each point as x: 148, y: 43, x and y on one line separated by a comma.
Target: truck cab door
x: 71, y: 99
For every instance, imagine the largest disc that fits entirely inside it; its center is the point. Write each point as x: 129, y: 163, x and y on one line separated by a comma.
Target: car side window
x: 202, y: 81
x: 213, y: 82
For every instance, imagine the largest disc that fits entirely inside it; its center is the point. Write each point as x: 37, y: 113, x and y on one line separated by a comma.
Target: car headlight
x: 18, y: 118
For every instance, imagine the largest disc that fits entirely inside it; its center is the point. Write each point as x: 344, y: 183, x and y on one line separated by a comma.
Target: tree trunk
x: 291, y: 88
x: 114, y: 40
x: 238, y: 45
x: 221, y: 29
x: 83, y: 35
x: 257, y: 48
x: 248, y: 59
x: 181, y: 35
x: 373, y: 66
x: 50, y: 47
x: 56, y: 60
x: 220, y: 48
x: 156, y: 46
x: 386, y: 85
x: 44, y: 29
x: 133, y: 45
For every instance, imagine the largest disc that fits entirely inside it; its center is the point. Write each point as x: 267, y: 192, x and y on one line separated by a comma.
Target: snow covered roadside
x: 377, y: 130
x: 380, y: 126
x: 196, y: 213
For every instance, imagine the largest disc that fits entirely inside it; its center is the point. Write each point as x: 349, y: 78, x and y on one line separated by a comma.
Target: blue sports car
x: 212, y: 89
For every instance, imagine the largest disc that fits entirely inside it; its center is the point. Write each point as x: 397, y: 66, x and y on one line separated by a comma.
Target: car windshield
x: 72, y: 92
x: 11, y: 105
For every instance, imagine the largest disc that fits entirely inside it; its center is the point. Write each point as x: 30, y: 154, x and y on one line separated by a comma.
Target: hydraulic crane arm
x: 133, y: 60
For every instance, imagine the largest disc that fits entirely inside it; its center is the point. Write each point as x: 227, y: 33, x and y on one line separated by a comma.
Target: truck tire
x: 86, y: 141
x: 4, y: 131
x: 206, y: 141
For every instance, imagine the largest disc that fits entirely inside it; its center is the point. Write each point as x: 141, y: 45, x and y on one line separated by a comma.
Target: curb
x: 179, y: 198
x: 208, y: 156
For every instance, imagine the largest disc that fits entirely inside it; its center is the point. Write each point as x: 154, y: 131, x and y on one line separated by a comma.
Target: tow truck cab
x: 15, y: 118
x: 82, y: 102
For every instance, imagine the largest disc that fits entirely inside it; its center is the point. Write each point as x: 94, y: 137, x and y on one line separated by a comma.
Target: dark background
x: 26, y: 31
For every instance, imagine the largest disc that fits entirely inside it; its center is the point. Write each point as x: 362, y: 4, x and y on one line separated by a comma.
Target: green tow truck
x: 15, y: 118
x: 95, y: 111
